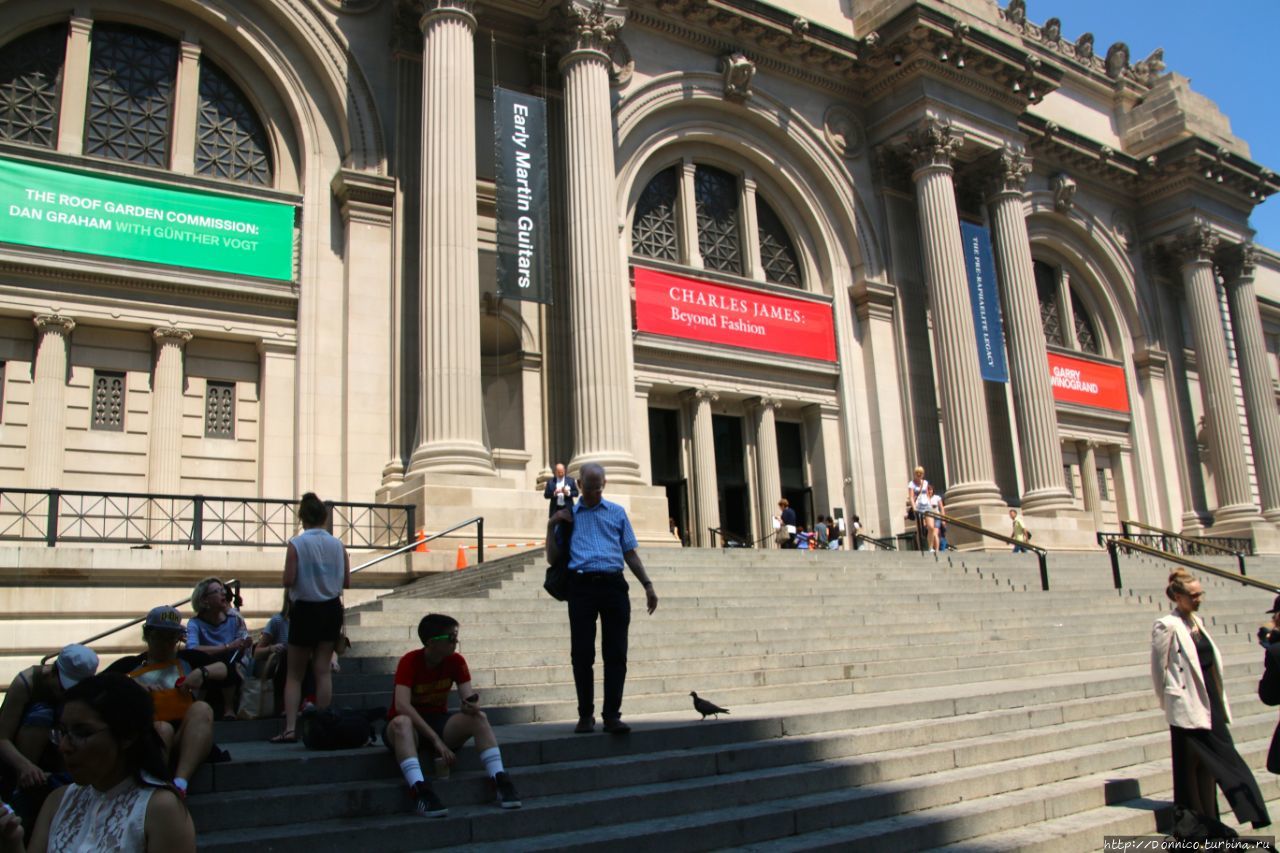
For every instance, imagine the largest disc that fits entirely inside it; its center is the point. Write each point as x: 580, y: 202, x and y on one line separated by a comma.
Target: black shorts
x: 435, y: 722
x: 315, y: 622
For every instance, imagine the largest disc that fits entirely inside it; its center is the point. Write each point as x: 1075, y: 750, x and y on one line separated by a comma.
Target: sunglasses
x: 445, y: 638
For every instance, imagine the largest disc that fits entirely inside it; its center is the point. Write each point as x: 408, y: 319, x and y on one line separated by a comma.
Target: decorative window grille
x: 1103, y: 494
x: 131, y: 88
x: 1069, y: 479
x: 1086, y: 335
x: 220, y: 410
x: 31, y: 84
x: 718, y: 205
x: 108, y: 400
x: 777, y: 253
x: 654, y: 230
x: 1047, y: 291
x: 230, y: 140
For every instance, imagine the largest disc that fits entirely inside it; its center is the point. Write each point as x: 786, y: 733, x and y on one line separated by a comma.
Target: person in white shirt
x: 561, y: 491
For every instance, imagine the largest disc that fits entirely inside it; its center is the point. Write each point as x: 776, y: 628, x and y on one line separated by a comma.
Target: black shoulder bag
x: 557, y: 580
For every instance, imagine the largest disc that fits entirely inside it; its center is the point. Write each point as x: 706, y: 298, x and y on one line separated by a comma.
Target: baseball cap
x: 75, y: 664
x: 164, y: 618
x: 1275, y: 607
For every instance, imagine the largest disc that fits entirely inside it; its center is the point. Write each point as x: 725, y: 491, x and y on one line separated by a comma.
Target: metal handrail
x: 1039, y: 552
x: 1198, y: 541
x: 885, y: 544
x: 728, y: 535
x: 1114, y: 546
x: 478, y: 521
x: 1105, y: 535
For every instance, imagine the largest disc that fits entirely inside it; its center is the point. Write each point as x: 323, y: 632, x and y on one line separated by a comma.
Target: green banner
x: 54, y: 208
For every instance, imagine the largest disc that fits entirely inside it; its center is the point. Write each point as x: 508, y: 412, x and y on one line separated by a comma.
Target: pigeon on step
x: 705, y: 708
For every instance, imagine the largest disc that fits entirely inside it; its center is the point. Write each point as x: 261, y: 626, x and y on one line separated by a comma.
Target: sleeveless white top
x: 321, y: 566
x: 93, y: 821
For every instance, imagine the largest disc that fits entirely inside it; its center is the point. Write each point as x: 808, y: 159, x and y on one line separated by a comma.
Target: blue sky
x: 1227, y: 48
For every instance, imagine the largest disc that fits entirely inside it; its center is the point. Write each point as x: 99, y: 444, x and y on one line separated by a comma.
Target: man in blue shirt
x: 601, y: 544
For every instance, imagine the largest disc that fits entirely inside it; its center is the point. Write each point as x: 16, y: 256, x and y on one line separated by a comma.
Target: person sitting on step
x: 173, y: 677
x: 218, y: 630
x: 419, y: 715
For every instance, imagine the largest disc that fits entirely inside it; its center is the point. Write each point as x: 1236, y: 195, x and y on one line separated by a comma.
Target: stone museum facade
x: 250, y: 249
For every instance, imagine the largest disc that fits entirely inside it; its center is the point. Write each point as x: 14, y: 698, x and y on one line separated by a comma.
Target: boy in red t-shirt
x: 419, y: 714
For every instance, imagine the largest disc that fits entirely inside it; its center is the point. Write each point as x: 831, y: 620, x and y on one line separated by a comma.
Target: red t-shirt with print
x: 429, y: 686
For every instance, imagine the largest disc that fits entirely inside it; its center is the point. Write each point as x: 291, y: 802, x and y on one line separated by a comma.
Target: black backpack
x: 338, y: 728
x: 556, y: 582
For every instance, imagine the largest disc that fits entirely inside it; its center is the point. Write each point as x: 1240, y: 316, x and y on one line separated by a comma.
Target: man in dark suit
x: 561, y: 491
x: 1269, y: 686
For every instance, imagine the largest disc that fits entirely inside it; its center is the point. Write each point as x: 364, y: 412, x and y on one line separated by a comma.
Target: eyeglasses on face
x: 75, y: 737
x: 444, y: 638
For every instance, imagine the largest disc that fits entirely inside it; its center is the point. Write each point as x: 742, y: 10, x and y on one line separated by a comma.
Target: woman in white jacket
x: 1186, y: 672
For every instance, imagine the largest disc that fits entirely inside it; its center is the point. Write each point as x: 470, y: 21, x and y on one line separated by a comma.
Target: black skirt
x: 315, y: 622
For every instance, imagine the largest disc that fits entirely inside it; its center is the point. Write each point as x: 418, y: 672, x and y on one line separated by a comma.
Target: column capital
x: 933, y: 144
x: 461, y: 10
x: 171, y: 335
x: 1197, y: 244
x: 1238, y: 263
x: 772, y: 404
x: 589, y: 29
x: 699, y: 395
x: 362, y: 197
x: 277, y: 347
x: 1151, y: 361
x: 58, y: 323
x: 1008, y: 171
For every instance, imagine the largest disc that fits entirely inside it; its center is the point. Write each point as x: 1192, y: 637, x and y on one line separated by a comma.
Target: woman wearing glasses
x: 1186, y: 672
x: 120, y: 798
x: 316, y: 571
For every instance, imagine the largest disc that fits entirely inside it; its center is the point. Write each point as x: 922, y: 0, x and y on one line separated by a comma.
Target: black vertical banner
x: 524, y: 208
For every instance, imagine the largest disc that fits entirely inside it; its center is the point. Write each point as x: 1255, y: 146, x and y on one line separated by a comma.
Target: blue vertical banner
x: 987, y: 326
x: 523, y: 203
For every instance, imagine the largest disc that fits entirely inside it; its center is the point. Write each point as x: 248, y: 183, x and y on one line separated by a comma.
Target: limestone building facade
x: 759, y: 276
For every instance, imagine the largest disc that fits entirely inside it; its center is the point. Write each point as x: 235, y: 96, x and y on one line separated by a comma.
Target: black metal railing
x: 1115, y: 546
x: 1178, y: 543
x: 1174, y: 545
x: 1041, y: 553
x: 882, y: 544
x: 729, y: 538
x: 52, y: 516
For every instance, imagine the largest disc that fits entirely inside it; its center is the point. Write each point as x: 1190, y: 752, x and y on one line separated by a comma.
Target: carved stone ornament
x: 1017, y: 13
x: 844, y: 132
x: 934, y: 143
x: 1064, y: 192
x: 1084, y: 47
x: 738, y: 72
x: 590, y: 26
x: 1126, y: 234
x: 1052, y: 31
x: 1146, y: 71
x: 1010, y: 169
x: 799, y: 29
x: 171, y: 335
x: 352, y: 7
x: 1199, y: 243
x: 1117, y: 60
x: 54, y: 323
x: 1238, y: 263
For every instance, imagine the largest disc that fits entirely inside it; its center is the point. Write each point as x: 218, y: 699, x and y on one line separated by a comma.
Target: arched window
x: 31, y: 85
x: 1064, y: 315
x: 1086, y: 334
x: 662, y: 214
x: 130, y: 105
x: 230, y: 140
x: 653, y: 230
x: 1047, y: 291
x: 719, y: 204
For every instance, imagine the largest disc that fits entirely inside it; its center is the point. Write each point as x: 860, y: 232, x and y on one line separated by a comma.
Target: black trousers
x: 603, y: 596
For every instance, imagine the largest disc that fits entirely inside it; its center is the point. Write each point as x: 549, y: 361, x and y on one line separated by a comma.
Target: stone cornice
x: 364, y: 197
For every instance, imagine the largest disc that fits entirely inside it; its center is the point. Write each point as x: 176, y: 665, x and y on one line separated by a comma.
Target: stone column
x: 277, y: 412
x: 1044, y: 488
x: 706, y: 494
x: 687, y: 214
x: 186, y: 110
x: 1196, y: 250
x: 452, y: 406
x: 75, y: 86
x: 164, y: 459
x: 46, y: 424
x: 768, y: 476
x: 600, y: 309
x: 1259, y: 398
x: 1089, y: 480
x: 966, y: 438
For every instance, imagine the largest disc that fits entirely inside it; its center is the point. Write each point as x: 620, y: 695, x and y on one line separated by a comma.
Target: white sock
x: 492, y: 759
x: 412, y: 771
x: 180, y: 783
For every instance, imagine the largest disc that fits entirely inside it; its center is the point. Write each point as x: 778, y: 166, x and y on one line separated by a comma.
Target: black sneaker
x: 428, y: 804
x: 507, y: 797
x: 616, y: 727
x: 585, y: 726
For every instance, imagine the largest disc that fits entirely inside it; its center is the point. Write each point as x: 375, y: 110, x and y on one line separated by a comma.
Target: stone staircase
x: 880, y: 701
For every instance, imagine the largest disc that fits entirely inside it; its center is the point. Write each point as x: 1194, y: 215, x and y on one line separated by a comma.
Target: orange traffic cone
x: 422, y: 546
x: 462, y: 558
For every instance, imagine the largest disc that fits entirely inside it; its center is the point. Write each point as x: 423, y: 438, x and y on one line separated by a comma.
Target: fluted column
x: 452, y: 406
x: 600, y: 307
x: 46, y: 425
x: 768, y: 476
x: 1045, y: 489
x: 966, y: 437
x: 164, y: 459
x: 706, y: 494
x: 1259, y: 398
x: 1231, y: 475
x: 1089, y: 480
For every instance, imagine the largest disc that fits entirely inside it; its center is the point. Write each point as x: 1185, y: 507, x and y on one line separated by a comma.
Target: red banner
x: 680, y: 307
x: 1088, y: 383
